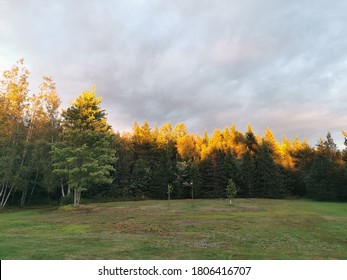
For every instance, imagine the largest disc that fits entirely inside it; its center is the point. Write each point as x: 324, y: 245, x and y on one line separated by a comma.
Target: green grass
x: 212, y: 229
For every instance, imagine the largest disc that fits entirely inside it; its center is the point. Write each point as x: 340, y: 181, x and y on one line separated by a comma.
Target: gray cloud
x: 271, y: 63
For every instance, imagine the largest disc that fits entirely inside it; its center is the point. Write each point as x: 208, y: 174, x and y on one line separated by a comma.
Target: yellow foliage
x: 187, y: 149
x: 86, y: 112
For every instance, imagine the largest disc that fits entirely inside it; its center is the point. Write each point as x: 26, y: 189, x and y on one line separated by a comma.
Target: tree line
x: 260, y: 166
x: 48, y: 155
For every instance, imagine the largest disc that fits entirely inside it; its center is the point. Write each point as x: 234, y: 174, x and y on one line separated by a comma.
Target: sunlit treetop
x: 14, y: 90
x: 85, y: 113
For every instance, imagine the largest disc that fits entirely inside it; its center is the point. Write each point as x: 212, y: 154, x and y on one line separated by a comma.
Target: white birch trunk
x: 75, y: 197
x: 32, y: 190
x: 8, y: 195
x: 24, y: 195
x: 2, y: 189
x: 62, y: 189
x: 3, y: 195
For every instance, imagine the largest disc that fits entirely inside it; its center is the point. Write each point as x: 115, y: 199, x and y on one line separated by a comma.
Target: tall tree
x: 251, y: 140
x: 163, y: 175
x: 187, y: 148
x: 42, y: 123
x: 248, y: 168
x: 86, y: 148
x: 182, y: 179
x: 14, y: 101
x: 273, y: 144
x: 232, y: 168
x: 325, y: 179
x: 213, y: 174
x: 237, y: 141
x: 268, y: 174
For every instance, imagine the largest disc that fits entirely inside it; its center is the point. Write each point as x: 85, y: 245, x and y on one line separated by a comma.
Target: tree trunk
x: 25, y: 151
x: 62, y: 189
x: 8, y: 195
x: 24, y: 195
x: 2, y: 189
x: 32, y: 190
x: 3, y: 194
x: 77, y: 198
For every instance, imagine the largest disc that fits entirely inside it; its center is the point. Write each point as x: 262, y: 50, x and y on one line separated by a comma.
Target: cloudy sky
x: 277, y: 64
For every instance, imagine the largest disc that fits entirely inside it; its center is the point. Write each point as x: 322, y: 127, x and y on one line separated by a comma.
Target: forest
x: 52, y: 156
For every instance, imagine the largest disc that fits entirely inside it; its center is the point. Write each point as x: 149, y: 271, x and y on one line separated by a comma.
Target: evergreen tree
x: 195, y: 178
x: 249, y: 184
x: 213, y: 174
x: 140, y: 180
x: 187, y: 149
x: 232, y: 168
x: 251, y: 140
x: 286, y: 154
x: 326, y: 178
x: 86, y: 148
x: 269, y: 179
x: 123, y: 166
x: 273, y: 145
x: 182, y: 179
x: 237, y: 142
x: 163, y: 175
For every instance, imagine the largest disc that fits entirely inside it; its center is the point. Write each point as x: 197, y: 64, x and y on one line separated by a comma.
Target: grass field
x: 249, y: 229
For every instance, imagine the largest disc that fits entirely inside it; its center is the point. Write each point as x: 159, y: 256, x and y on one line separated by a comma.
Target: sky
x: 277, y: 64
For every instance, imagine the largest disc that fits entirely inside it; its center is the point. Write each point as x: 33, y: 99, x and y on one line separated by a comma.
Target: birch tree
x: 13, y: 103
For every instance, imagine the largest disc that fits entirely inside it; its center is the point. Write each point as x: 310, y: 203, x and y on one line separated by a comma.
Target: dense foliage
x: 258, y: 165
x: 45, y: 154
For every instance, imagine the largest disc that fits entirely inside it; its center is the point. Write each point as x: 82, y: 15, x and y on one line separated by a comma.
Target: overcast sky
x: 277, y: 64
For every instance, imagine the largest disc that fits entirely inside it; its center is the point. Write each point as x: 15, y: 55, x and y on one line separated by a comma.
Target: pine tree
x: 187, y: 148
x: 269, y: 179
x: 249, y: 184
x: 86, y: 148
x: 232, y: 168
x: 182, y: 179
x: 326, y: 177
x: 274, y: 146
x: 123, y: 166
x: 251, y: 140
x: 163, y: 175
x: 213, y: 174
x: 286, y: 154
x: 237, y: 142
x: 143, y: 140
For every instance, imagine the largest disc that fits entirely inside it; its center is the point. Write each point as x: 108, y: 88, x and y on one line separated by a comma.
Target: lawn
x: 211, y: 229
